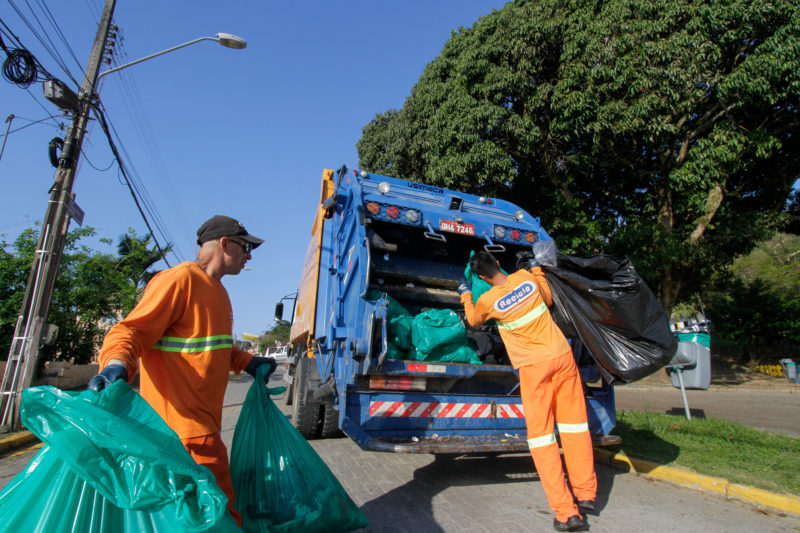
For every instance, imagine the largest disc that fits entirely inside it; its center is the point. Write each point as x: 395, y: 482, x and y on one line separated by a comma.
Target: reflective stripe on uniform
x: 538, y: 442
x: 200, y: 344
x: 573, y: 428
x: 528, y: 317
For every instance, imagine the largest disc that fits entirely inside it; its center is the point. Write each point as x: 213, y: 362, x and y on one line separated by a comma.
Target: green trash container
x: 789, y: 370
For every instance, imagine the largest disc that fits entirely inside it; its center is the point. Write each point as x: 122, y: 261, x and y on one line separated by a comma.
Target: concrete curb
x: 690, y: 479
x: 16, y: 440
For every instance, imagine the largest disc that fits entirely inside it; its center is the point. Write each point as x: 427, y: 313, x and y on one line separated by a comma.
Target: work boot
x: 585, y: 505
x: 573, y: 523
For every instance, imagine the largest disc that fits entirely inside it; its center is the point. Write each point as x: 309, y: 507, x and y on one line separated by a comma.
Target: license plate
x: 456, y: 227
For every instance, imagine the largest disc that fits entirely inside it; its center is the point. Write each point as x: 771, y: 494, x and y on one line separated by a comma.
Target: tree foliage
x: 92, y: 290
x: 665, y: 130
x: 138, y: 255
x: 279, y: 332
x: 756, y: 301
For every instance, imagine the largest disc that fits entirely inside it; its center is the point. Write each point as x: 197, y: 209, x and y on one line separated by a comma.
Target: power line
x: 32, y: 122
x: 45, y: 41
x: 138, y: 113
x: 138, y: 185
x: 55, y: 25
x: 104, y: 126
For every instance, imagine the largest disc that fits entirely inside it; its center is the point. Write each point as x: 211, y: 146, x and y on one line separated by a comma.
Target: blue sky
x: 211, y: 130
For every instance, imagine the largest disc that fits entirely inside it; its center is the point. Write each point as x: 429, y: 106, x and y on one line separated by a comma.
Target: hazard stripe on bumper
x: 444, y: 410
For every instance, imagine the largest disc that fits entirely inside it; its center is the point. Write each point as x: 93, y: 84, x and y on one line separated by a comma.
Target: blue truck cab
x: 375, y: 239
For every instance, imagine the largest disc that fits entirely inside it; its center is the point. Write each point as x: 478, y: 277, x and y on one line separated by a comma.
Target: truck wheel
x: 305, y: 417
x: 330, y: 421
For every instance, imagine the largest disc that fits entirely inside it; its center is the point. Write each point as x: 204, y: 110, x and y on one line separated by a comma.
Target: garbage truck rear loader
x: 379, y: 243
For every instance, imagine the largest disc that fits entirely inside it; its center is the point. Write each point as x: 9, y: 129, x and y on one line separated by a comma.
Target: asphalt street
x: 473, y: 493
x: 774, y: 408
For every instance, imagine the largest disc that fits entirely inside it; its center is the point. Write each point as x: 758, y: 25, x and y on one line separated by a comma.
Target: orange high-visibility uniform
x: 550, y: 387
x: 180, y: 334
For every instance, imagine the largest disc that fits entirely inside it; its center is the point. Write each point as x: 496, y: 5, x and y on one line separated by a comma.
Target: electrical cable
x: 19, y: 66
x: 51, y: 18
x: 138, y: 113
x: 104, y: 126
x: 56, y: 143
x: 138, y: 186
x: 86, y: 158
x: 18, y: 44
x: 45, y: 41
x: 32, y: 122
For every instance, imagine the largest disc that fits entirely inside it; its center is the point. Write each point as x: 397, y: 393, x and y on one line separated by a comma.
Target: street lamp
x: 225, y: 39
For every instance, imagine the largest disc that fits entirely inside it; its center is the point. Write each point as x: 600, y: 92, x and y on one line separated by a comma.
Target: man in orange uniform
x: 550, y: 386
x: 180, y: 338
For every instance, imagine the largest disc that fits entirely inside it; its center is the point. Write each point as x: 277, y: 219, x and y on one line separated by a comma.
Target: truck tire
x: 305, y: 416
x: 330, y: 422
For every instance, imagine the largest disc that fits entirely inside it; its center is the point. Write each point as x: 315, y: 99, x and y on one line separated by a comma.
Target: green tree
x: 756, y: 302
x: 137, y: 255
x: 665, y: 130
x: 279, y: 332
x: 90, y: 293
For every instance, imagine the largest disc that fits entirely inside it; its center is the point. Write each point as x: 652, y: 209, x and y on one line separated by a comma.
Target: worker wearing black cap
x: 180, y: 338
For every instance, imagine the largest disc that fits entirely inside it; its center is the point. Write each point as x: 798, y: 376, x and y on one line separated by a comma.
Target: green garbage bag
x: 110, y: 464
x: 398, y: 327
x: 439, y: 335
x: 394, y: 308
x: 281, y: 484
x: 400, y: 331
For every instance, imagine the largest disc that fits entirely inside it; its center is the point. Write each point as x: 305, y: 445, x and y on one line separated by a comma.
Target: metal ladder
x: 22, y: 356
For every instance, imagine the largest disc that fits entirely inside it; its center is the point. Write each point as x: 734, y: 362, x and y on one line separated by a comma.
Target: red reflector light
x: 393, y: 212
x: 515, y: 234
x: 373, y: 208
x: 530, y: 237
x: 396, y: 383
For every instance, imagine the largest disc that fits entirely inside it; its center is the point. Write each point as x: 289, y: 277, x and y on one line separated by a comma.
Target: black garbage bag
x: 603, y: 301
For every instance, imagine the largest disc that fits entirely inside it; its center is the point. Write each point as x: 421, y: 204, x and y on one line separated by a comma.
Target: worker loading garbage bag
x: 550, y: 387
x: 110, y: 465
x: 180, y: 338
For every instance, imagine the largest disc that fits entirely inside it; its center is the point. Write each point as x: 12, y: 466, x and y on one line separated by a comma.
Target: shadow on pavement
x: 410, y: 506
x: 644, y: 444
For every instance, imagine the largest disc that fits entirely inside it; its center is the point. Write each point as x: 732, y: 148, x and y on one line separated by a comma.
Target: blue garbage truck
x: 378, y: 244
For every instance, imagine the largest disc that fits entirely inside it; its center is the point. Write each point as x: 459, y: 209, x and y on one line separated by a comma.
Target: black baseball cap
x: 222, y: 226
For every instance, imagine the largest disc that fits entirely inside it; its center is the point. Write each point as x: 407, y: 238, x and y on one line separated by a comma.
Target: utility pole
x: 30, y: 329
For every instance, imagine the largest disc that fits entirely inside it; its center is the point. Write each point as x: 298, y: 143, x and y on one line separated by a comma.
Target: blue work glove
x: 107, y: 376
x: 465, y: 286
x: 256, y: 362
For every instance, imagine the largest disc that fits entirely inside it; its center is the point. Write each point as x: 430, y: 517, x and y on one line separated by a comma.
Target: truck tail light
x: 393, y: 212
x: 373, y: 208
x: 515, y: 234
x: 397, y: 383
x: 530, y: 236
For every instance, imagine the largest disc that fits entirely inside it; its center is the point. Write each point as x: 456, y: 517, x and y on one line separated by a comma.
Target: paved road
x: 426, y: 493
x: 775, y: 409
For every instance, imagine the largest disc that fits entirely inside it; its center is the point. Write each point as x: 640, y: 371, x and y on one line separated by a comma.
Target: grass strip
x: 712, y: 447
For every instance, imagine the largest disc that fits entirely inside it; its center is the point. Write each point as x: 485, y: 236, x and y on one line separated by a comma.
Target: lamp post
x: 225, y: 39
x: 28, y: 333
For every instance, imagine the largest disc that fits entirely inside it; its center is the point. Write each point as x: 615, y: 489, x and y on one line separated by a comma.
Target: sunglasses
x: 246, y: 246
